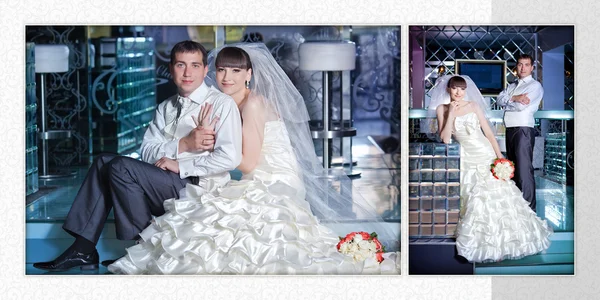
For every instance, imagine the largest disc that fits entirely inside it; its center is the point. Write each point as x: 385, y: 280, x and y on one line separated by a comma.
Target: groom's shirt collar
x: 199, y: 94
x: 526, y: 79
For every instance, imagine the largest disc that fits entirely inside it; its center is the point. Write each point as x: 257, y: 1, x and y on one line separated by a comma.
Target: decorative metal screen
x: 66, y: 94
x: 443, y: 44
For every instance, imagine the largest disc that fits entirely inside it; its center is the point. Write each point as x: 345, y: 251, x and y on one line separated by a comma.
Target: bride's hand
x: 203, y: 119
x: 203, y: 136
x: 452, y: 106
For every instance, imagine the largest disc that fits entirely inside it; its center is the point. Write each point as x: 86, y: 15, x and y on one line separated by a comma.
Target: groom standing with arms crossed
x: 174, y: 153
x: 520, y: 100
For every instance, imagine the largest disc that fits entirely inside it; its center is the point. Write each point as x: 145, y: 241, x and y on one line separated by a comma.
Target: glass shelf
x: 31, y: 149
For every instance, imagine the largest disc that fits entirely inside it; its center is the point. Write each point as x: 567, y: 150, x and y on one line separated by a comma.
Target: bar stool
x: 50, y: 59
x: 329, y: 57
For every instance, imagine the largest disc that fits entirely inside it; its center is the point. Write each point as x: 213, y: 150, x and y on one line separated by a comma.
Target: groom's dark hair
x: 188, y: 47
x: 525, y: 56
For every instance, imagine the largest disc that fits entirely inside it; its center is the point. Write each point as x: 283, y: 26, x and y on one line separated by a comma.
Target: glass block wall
x: 555, y: 156
x: 31, y: 150
x: 434, y: 189
x: 124, y: 93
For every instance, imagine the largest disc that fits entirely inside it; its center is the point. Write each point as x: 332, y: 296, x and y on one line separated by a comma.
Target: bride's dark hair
x: 457, y: 81
x: 233, y: 57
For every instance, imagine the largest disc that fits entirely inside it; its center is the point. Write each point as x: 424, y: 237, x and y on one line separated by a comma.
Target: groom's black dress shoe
x: 71, y: 259
x: 108, y: 262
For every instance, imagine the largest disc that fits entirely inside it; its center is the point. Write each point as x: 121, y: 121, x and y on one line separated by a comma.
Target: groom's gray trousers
x: 135, y: 190
x: 519, y: 149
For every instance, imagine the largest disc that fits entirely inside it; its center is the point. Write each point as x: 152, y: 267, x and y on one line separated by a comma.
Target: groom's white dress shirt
x: 173, y: 121
x: 518, y: 114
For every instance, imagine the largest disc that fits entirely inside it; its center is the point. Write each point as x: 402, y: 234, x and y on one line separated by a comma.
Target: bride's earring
x: 247, y: 84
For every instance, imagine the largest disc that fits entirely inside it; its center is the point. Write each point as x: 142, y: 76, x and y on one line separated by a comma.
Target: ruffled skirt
x: 496, y: 222
x: 247, y: 227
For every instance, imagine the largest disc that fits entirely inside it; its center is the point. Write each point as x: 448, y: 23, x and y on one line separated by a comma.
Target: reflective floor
x: 378, y: 182
x: 54, y: 198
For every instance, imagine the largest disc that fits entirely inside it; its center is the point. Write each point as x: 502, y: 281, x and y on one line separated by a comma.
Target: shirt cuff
x: 186, y: 168
x: 171, y: 149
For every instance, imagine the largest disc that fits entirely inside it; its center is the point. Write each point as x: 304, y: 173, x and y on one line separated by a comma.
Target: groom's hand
x: 166, y: 163
x: 202, y: 137
x: 523, y: 99
x: 199, y: 139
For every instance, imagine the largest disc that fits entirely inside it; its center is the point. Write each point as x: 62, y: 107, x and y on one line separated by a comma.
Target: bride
x: 269, y: 222
x: 496, y: 223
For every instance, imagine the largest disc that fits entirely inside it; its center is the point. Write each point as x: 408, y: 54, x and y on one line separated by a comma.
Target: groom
x: 520, y: 101
x: 176, y: 150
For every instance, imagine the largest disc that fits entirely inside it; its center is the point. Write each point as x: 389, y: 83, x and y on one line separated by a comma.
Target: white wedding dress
x: 258, y: 225
x: 496, y: 222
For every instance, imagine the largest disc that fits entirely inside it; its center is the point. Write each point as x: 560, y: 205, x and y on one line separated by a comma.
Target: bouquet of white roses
x: 503, y: 169
x: 361, y: 245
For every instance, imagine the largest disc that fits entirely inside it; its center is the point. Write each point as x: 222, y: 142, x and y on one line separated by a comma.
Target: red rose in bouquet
x: 503, y: 169
x: 361, y: 245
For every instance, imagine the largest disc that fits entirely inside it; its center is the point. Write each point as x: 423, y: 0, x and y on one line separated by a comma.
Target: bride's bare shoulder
x: 254, y: 104
x: 475, y: 107
x: 473, y: 104
x: 256, y: 98
x: 442, y: 107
